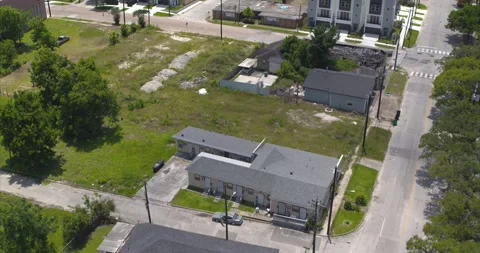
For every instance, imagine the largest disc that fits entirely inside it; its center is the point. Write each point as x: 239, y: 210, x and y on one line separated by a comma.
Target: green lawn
x: 411, y: 41
x: 176, y: 9
x: 195, y: 200
x: 384, y: 46
x: 376, y: 144
x: 283, y: 83
x: 362, y: 182
x: 346, y: 221
x: 397, y: 83
x: 418, y: 18
x: 161, y: 14
x: 96, y: 238
x: 119, y: 161
x: 56, y: 237
x: 247, y: 207
x: 355, y: 35
x: 353, y: 41
x: 422, y: 7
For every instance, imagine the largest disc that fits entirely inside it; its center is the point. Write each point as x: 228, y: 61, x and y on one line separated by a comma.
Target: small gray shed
x: 346, y: 91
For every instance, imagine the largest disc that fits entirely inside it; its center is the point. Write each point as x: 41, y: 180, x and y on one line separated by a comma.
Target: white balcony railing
x: 323, y: 13
x: 343, y: 15
x: 374, y: 19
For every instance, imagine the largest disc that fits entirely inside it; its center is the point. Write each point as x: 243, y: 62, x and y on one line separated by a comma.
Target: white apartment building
x: 373, y: 16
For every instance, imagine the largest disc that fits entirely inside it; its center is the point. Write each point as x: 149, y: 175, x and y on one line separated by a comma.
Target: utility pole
x: 49, y: 11
x: 221, y: 23
x: 146, y: 201
x: 169, y: 6
x: 396, y: 54
x: 381, y: 89
x: 124, y: 11
x: 315, y: 226
x: 410, y: 28
x: 226, y: 220
x: 148, y: 8
x: 332, y: 195
x: 239, y: 11
x: 367, y: 111
x: 298, y: 20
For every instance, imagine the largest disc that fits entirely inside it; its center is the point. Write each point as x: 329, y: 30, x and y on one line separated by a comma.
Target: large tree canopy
x: 28, y: 129
x: 23, y: 229
x: 453, y: 148
x: 13, y: 23
x: 465, y: 20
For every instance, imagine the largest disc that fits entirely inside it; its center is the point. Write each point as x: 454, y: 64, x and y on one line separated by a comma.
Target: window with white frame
x: 250, y: 191
x: 324, y: 2
x: 229, y: 186
x: 271, y: 19
x: 197, y: 177
x: 295, y: 209
x: 345, y: 4
x: 375, y: 8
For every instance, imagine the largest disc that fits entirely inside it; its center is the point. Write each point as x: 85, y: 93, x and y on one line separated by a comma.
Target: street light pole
x: 221, y: 27
x: 381, y: 89
x: 332, y: 195
x: 396, y: 54
x: 367, y: 111
x: 124, y: 11
x: 146, y: 201
x: 315, y: 226
x: 226, y: 214
x: 49, y: 11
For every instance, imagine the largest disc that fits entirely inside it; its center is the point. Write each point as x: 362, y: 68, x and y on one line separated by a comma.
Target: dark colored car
x: 62, y: 39
x: 157, y: 166
x: 231, y: 218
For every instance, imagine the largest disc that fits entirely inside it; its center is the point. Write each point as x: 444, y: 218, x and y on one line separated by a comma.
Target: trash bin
x: 395, y: 123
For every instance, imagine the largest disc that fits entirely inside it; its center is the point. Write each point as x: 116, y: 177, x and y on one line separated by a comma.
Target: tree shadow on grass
x: 110, y: 136
x: 28, y: 173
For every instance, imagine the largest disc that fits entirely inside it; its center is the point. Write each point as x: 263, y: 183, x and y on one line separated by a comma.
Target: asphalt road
x: 170, y: 24
x: 403, y: 196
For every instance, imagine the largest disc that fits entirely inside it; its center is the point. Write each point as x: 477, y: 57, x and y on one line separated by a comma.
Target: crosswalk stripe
x: 430, y: 76
x: 416, y: 73
x: 448, y: 53
x: 421, y: 74
x: 411, y: 73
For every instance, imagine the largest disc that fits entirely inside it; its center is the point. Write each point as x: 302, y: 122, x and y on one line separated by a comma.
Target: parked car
x: 231, y: 218
x: 62, y: 39
x: 157, y: 166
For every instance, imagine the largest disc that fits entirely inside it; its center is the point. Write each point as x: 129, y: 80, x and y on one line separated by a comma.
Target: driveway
x: 167, y: 181
x: 200, y: 12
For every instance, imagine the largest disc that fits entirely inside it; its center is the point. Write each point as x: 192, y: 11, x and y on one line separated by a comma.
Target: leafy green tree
x: 73, y: 225
x: 248, y: 14
x: 465, y: 20
x: 28, y: 129
x: 89, y: 103
x: 116, y: 15
x: 323, y: 39
x: 24, y: 229
x: 125, y: 30
x: 13, y: 23
x: 53, y: 74
x: 8, y: 54
x: 41, y: 36
x: 140, y: 14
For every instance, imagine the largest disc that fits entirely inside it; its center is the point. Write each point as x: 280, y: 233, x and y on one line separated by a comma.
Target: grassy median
x: 376, y: 145
x: 397, y: 83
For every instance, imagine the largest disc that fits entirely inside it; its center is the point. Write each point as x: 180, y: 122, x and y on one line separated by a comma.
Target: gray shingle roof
x: 218, y: 141
x: 149, y: 238
x: 344, y: 83
x: 289, y: 175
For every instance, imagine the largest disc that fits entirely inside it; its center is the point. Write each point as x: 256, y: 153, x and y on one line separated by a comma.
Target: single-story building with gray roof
x: 346, y: 91
x: 284, y: 180
x: 147, y: 238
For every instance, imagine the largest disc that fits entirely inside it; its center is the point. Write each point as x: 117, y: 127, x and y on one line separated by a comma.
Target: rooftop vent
x: 203, y: 140
x: 182, y: 135
x: 291, y: 172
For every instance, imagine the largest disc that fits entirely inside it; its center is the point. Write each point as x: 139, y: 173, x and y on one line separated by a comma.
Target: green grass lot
x: 56, y: 237
x: 418, y: 18
x: 346, y: 221
x: 422, y: 7
x: 384, y: 46
x: 257, y: 26
x: 176, y: 9
x: 161, y: 14
x: 413, y: 40
x: 195, y: 200
x: 353, y: 41
x: 362, y: 182
x: 247, y: 207
x: 119, y: 161
x: 355, y: 35
x: 397, y: 83
x: 376, y: 144
x: 96, y: 238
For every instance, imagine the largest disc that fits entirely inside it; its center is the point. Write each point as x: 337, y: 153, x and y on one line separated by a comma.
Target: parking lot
x: 167, y: 181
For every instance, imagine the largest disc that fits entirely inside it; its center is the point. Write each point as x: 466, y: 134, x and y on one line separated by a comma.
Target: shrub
x: 361, y: 200
x: 116, y: 15
x: 141, y: 21
x: 137, y: 105
x: 133, y: 28
x: 348, y: 206
x: 125, y: 30
x: 114, y: 38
